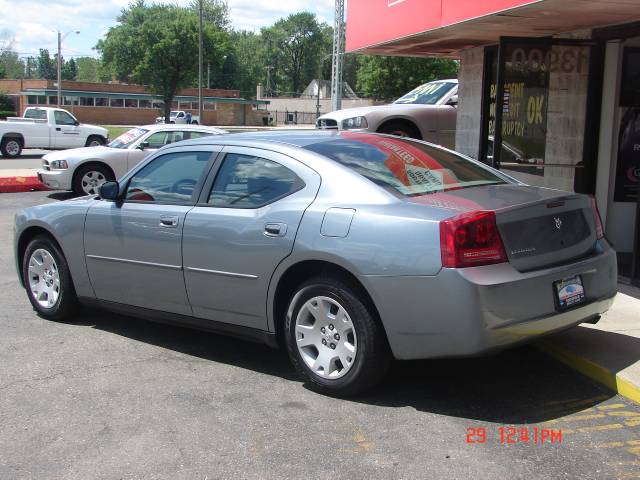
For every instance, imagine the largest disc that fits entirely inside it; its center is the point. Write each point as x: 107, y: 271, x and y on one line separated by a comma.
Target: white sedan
x: 83, y: 170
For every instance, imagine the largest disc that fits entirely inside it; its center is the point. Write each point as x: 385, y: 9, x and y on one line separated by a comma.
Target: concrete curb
x: 592, y: 370
x: 21, y: 184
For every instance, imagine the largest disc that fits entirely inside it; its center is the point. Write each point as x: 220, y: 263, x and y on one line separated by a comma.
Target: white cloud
x: 33, y: 23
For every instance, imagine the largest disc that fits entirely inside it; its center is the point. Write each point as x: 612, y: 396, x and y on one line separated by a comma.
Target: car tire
x: 88, y: 178
x: 11, y: 147
x: 47, y: 279
x: 195, y: 122
x: 346, y: 350
x: 401, y: 129
x: 95, y: 141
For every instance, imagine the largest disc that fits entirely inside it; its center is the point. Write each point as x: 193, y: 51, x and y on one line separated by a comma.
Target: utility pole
x: 338, y: 54
x: 59, y: 69
x: 200, y: 117
x: 268, y: 89
x: 60, y: 38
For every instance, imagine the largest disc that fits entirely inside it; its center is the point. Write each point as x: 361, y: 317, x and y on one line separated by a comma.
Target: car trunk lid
x: 539, y: 227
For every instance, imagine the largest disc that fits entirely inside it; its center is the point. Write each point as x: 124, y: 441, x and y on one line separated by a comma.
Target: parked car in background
x: 83, y: 170
x: 47, y: 128
x: 349, y: 248
x: 179, y: 117
x: 427, y: 113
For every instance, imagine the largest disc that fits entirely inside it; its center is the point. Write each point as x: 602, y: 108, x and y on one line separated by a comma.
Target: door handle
x: 275, y: 229
x: 169, y: 222
x: 58, y: 129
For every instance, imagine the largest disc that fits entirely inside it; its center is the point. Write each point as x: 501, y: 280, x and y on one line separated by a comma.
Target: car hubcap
x: 44, y: 278
x: 325, y: 337
x: 13, y: 148
x: 91, y: 181
x: 94, y: 143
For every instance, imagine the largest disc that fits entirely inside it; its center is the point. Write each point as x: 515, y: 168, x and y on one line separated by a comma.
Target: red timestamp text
x: 515, y: 435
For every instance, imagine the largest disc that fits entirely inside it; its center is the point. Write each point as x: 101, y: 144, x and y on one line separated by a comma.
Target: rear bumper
x: 56, y: 179
x: 461, y: 312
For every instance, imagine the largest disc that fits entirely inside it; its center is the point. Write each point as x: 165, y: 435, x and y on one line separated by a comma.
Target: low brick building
x: 123, y: 104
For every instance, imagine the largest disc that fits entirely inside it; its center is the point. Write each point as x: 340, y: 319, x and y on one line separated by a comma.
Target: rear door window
x: 404, y: 167
x: 246, y: 181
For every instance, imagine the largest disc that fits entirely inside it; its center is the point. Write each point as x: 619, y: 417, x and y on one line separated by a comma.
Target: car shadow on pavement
x: 196, y: 343
x: 520, y: 385
x: 61, y: 195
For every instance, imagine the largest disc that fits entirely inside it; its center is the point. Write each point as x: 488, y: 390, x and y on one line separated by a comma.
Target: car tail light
x: 471, y: 239
x: 597, y: 220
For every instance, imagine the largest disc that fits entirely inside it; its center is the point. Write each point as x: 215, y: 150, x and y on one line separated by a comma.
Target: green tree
x: 213, y: 11
x: 11, y: 64
x: 157, y: 46
x: 294, y: 47
x: 69, y: 70
x: 387, y: 78
x: 88, y: 69
x: 45, y: 65
x: 6, y: 104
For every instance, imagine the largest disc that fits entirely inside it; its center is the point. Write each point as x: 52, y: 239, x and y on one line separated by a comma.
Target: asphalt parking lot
x: 108, y: 396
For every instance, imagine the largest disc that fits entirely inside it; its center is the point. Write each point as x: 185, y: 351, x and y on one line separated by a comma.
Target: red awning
x: 444, y: 27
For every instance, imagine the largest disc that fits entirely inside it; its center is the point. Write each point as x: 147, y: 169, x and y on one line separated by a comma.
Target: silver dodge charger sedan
x: 348, y: 248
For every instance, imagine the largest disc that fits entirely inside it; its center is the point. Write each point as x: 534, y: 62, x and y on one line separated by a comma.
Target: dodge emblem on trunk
x: 558, y: 222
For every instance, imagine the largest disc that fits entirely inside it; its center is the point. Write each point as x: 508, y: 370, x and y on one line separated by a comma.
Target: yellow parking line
x: 578, y: 418
x: 633, y: 442
x: 635, y: 451
x: 623, y: 414
x: 591, y: 369
x: 610, y: 445
x: 597, y: 428
x: 612, y: 406
x: 632, y: 423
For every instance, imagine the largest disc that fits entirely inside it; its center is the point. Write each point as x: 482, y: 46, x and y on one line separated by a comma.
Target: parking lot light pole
x: 60, y: 38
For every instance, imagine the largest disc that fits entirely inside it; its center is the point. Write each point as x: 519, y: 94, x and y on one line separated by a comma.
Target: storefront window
x: 524, y: 108
x: 86, y: 101
x: 101, y: 102
x: 131, y: 103
x: 144, y: 103
x: 116, y: 102
x: 542, y: 117
x: 68, y: 100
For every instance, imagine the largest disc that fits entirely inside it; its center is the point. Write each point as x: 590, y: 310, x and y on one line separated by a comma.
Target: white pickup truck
x: 179, y: 116
x: 47, y: 128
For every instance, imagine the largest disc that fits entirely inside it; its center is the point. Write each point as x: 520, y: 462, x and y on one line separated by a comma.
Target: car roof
x: 173, y: 126
x: 300, y: 138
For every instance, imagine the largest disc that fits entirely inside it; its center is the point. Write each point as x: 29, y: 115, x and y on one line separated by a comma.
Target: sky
x: 33, y: 23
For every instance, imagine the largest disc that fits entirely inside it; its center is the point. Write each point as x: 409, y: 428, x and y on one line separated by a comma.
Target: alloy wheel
x: 325, y: 337
x: 91, y: 182
x: 12, y: 147
x: 44, y: 278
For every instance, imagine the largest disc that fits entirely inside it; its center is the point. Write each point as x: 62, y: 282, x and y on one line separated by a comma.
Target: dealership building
x: 125, y: 104
x: 549, y: 90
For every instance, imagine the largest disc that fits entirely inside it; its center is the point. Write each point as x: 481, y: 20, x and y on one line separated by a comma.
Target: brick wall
x: 114, y: 116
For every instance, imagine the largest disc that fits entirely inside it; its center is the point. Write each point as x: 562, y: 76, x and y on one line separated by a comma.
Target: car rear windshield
x: 427, y: 94
x: 36, y: 114
x: 404, y: 167
x: 127, y: 138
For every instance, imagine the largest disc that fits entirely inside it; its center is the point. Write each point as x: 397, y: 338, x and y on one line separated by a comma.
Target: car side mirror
x: 143, y: 145
x: 109, y: 190
x: 453, y: 101
x: 76, y: 123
